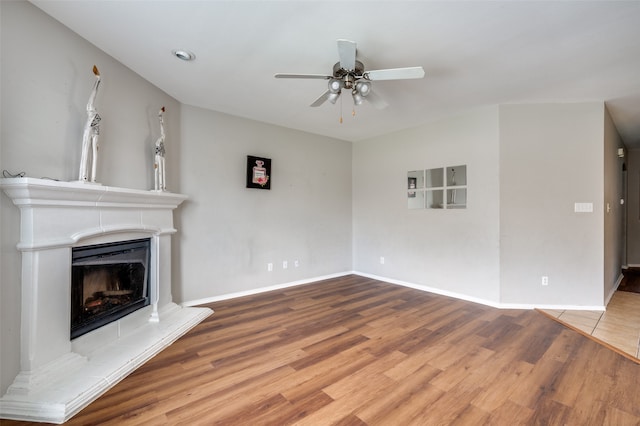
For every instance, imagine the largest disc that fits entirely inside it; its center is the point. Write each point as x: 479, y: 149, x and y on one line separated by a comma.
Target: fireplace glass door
x: 108, y: 281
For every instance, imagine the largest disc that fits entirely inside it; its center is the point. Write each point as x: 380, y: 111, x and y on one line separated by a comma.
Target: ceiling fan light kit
x: 363, y: 87
x: 349, y: 74
x: 335, y: 85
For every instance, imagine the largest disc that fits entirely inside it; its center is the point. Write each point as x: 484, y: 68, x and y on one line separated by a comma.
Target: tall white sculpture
x: 90, y: 136
x: 158, y: 165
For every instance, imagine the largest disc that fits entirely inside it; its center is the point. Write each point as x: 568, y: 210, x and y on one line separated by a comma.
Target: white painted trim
x: 104, y: 233
x: 427, y: 289
x: 555, y: 307
x: 33, y: 192
x: 264, y: 289
x: 486, y: 302
x: 432, y: 290
x: 615, y: 288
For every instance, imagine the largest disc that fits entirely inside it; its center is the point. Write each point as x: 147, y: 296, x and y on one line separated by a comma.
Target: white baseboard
x: 486, y: 302
x: 615, y: 288
x: 491, y: 303
x: 263, y: 289
x: 431, y: 289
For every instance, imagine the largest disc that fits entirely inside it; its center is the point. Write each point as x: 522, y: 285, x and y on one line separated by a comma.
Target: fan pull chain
x: 340, y: 109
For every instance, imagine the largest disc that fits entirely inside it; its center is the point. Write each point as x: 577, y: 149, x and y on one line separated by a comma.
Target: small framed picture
x: 258, y: 172
x: 412, y: 185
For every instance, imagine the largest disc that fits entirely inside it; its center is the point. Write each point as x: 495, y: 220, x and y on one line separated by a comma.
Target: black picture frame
x: 258, y: 172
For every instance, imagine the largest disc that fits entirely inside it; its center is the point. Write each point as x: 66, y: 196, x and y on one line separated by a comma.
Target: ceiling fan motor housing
x: 339, y: 72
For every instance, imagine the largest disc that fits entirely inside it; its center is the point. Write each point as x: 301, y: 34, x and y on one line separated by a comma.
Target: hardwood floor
x: 356, y: 351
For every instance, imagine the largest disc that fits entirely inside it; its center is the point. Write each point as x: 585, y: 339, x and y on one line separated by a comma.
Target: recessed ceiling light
x: 185, y: 55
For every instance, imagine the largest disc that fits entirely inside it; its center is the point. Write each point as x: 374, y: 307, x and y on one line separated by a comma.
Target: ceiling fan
x: 350, y: 74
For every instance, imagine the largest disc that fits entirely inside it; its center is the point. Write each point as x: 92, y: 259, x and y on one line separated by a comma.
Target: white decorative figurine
x: 90, y: 136
x: 158, y: 165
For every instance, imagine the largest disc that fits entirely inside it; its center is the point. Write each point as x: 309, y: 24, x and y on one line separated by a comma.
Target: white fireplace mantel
x: 47, y: 207
x: 58, y: 376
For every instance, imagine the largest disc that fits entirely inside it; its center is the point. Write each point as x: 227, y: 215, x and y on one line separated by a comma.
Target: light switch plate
x: 583, y: 207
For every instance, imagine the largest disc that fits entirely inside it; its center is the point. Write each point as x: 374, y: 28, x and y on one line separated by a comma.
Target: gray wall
x: 455, y: 251
x: 527, y: 167
x: 228, y: 233
x: 46, y: 79
x: 551, y: 156
x: 633, y: 207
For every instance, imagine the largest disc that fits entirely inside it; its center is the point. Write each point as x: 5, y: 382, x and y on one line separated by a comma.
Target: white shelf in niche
x: 437, y: 188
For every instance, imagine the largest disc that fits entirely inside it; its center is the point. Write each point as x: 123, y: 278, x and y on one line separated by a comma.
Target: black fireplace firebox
x: 108, y: 281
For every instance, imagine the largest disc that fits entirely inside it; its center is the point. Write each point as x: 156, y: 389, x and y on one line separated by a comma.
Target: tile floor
x: 619, y: 325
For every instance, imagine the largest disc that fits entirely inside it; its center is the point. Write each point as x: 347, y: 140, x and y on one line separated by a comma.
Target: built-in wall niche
x: 438, y: 188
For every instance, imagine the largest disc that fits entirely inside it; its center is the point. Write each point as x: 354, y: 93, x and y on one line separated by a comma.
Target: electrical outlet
x: 285, y: 265
x: 269, y: 267
x: 545, y: 280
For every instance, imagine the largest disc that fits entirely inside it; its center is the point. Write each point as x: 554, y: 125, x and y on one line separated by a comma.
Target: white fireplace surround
x: 58, y: 376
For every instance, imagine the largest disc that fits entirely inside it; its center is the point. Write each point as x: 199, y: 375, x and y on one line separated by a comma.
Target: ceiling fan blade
x: 395, y: 74
x: 314, y: 76
x: 347, y: 54
x: 321, y: 99
x: 376, y: 101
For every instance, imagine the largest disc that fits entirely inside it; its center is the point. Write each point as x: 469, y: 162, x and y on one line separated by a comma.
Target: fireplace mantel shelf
x: 58, y: 214
x: 46, y: 192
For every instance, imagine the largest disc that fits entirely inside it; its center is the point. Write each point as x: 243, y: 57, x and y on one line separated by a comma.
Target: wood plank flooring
x: 356, y: 351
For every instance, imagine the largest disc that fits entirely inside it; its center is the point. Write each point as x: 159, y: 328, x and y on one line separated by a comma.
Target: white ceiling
x: 474, y: 53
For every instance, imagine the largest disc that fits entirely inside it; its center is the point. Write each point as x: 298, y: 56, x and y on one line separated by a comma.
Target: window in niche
x: 437, y: 188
